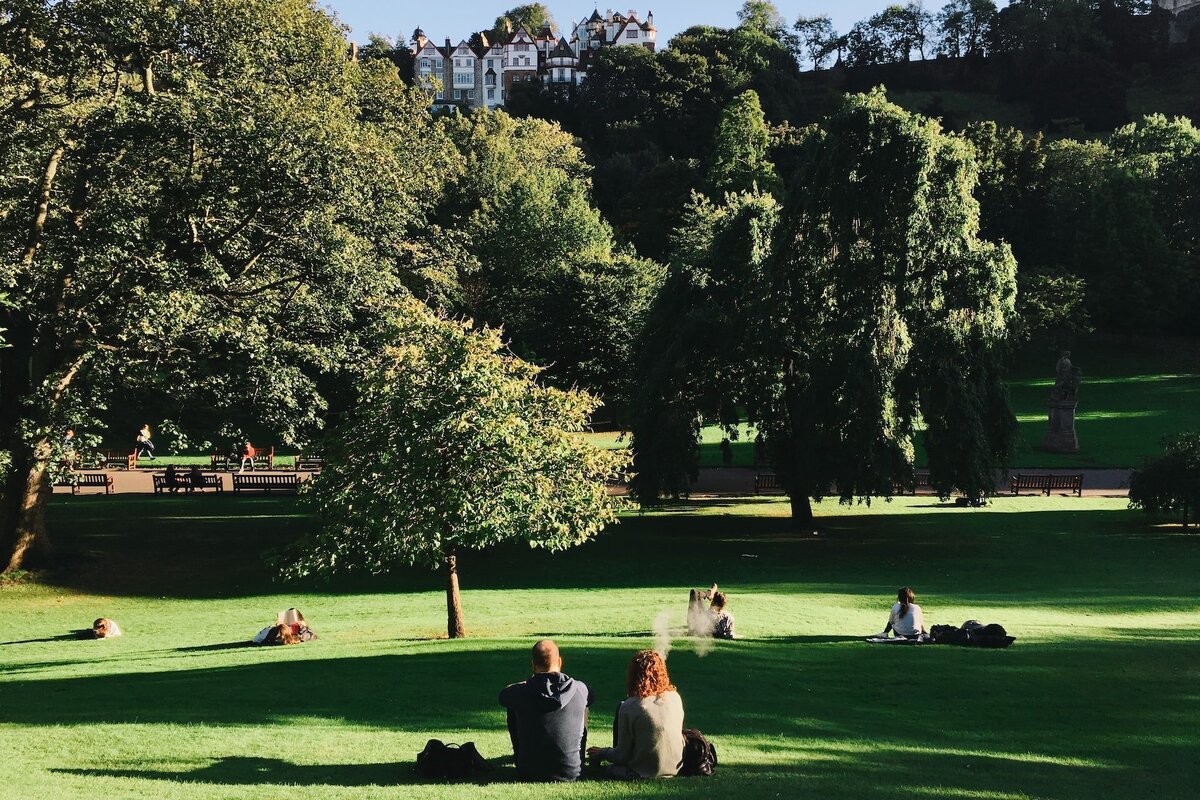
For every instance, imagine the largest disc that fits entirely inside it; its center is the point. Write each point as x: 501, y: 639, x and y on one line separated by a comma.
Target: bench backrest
x: 265, y: 480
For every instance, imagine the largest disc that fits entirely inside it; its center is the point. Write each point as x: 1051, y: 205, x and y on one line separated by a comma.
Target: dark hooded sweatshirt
x: 547, y: 720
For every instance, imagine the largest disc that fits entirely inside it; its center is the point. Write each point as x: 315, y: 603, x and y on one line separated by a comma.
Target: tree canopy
x: 198, y: 197
x: 455, y: 445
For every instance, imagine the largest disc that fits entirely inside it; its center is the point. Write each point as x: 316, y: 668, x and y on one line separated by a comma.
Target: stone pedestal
x: 1060, y: 437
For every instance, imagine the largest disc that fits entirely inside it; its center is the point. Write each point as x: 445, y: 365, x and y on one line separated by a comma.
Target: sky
x: 458, y: 18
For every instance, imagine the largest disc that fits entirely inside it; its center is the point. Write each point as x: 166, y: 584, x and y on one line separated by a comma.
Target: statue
x: 1064, y: 398
x: 1067, y: 378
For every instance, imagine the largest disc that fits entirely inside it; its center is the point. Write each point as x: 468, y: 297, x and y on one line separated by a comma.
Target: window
x: 491, y: 94
x: 631, y: 33
x: 470, y: 94
x: 425, y: 63
x: 441, y: 95
x: 501, y: 94
x: 491, y: 63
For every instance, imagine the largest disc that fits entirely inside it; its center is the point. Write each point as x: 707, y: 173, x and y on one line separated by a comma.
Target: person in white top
x: 906, y: 619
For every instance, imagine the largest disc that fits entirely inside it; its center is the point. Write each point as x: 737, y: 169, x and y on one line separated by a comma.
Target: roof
x: 595, y: 17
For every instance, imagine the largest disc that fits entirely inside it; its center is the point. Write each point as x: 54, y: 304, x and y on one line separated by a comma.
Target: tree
x: 454, y: 446
x: 872, y: 305
x: 740, y: 160
x: 197, y: 197
x: 817, y: 38
x: 538, y: 257
x: 964, y: 27
x: 761, y: 16
x: 1170, y: 484
x: 530, y: 16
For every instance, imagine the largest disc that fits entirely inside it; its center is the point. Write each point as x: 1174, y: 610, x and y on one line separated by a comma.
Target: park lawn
x: 1097, y: 699
x: 1132, y: 396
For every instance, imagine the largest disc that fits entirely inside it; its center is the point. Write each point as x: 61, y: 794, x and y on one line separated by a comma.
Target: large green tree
x: 740, y: 158
x: 530, y: 16
x: 870, y: 310
x: 193, y: 196
x: 455, y: 445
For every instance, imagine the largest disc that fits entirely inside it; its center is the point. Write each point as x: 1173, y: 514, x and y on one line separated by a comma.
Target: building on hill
x: 1186, y: 18
x: 481, y: 73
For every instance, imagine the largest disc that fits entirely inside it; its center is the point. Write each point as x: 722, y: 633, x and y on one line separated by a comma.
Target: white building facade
x: 482, y: 74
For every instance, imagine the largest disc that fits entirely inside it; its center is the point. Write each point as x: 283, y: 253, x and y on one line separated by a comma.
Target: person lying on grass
x: 906, y: 620
x: 290, y: 628
x: 547, y: 719
x: 105, y: 628
x: 648, y: 730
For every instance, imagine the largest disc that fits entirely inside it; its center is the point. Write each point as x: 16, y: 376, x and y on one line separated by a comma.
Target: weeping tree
x: 198, y: 197
x: 1170, y: 484
x: 877, y: 315
x: 455, y: 445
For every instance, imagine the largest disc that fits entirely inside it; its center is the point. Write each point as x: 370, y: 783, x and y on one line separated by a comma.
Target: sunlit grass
x: 1096, y: 699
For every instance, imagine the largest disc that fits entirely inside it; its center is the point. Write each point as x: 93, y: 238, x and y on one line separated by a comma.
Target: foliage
x: 1051, y: 304
x: 197, y: 197
x: 965, y: 27
x: 536, y: 256
x: 530, y: 16
x: 871, y: 305
x: 740, y: 161
x: 892, y: 35
x: 817, y: 39
x: 1170, y: 484
x: 454, y: 445
x: 700, y: 348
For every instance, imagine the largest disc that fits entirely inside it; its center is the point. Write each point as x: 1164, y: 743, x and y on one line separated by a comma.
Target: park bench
x: 183, y: 480
x: 309, y: 463
x: 766, y: 482
x: 1046, y: 484
x: 78, y: 480
x: 920, y: 481
x: 262, y: 455
x: 266, y: 482
x: 119, y: 459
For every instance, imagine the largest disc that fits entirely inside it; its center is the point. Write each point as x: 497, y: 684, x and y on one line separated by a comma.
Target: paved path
x: 739, y: 481
x: 140, y: 481
x: 728, y: 481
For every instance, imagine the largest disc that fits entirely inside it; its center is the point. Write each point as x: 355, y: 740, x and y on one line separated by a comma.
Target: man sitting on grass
x: 547, y: 719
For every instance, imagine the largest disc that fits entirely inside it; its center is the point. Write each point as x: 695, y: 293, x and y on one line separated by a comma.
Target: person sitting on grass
x: 906, y: 619
x: 105, y: 628
x: 722, y: 619
x: 648, y: 729
x: 547, y: 719
x: 290, y: 628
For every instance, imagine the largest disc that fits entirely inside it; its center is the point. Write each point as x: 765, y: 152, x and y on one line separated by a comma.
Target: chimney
x: 353, y: 52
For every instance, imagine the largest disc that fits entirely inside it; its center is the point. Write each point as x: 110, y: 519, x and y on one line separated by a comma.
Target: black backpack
x: 699, y: 755
x: 441, y: 761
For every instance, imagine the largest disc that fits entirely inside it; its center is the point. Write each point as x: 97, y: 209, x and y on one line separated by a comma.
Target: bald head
x: 546, y: 657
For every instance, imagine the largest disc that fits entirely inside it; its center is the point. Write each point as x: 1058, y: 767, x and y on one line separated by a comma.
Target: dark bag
x: 699, y: 754
x: 441, y: 761
x: 972, y: 634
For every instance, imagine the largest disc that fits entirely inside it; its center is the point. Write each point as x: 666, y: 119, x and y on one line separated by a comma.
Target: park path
x: 739, y: 481
x: 721, y: 481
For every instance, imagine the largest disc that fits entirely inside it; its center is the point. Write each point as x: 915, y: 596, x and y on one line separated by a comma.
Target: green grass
x: 1097, y: 699
x: 1132, y: 396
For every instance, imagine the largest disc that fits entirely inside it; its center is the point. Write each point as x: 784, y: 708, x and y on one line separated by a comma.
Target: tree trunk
x: 802, y: 513
x: 454, y: 615
x: 26, y: 495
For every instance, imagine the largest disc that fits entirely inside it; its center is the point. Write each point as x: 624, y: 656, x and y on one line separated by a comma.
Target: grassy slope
x: 1097, y: 699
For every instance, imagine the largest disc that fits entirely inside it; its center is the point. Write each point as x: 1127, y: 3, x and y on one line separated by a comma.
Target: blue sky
x: 442, y: 18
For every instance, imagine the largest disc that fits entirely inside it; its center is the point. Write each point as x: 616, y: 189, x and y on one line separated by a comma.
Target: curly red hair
x: 647, y: 675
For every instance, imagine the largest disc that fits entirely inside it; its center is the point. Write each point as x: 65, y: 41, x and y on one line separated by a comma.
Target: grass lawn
x: 1131, y: 397
x: 1098, y: 698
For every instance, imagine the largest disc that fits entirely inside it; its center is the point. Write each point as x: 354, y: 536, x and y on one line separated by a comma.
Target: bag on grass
x: 699, y: 754
x: 441, y: 761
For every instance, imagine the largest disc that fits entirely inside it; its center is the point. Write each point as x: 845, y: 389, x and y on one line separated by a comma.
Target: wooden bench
x: 262, y: 455
x: 1046, y: 484
x: 183, y: 480
x: 767, y: 482
x: 920, y: 481
x: 308, y: 463
x: 266, y: 482
x: 78, y: 480
x: 119, y: 459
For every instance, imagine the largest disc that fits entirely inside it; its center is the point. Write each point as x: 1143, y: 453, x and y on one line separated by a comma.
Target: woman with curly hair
x: 648, y: 730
